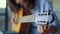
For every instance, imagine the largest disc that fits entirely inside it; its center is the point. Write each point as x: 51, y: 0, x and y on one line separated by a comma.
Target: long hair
x: 17, y: 6
x: 32, y: 3
x: 13, y: 2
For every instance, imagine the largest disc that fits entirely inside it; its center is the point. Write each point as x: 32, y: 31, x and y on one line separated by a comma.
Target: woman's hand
x: 14, y: 20
x: 43, y: 29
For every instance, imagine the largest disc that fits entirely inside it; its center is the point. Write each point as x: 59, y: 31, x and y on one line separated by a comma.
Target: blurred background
x: 5, y: 14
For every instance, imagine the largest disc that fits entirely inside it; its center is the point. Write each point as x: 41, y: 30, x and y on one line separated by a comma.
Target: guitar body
x: 16, y: 27
x: 22, y: 28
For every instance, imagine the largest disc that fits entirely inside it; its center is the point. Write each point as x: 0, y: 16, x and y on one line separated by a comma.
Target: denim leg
x: 33, y: 30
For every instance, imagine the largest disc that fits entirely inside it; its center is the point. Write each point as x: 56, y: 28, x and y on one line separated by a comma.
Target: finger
x: 12, y: 21
x: 44, y: 27
x: 39, y: 28
x: 48, y: 27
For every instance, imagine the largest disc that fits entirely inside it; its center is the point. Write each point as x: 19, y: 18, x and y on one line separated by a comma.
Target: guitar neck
x: 26, y: 19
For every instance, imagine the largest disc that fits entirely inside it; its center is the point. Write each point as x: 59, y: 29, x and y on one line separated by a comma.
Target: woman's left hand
x: 46, y: 29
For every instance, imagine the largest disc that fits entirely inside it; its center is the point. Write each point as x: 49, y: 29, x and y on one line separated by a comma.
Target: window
x: 2, y: 3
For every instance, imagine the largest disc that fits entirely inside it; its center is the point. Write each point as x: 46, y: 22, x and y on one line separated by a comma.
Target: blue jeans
x: 33, y: 29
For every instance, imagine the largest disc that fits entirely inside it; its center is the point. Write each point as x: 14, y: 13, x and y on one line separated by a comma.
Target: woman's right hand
x: 14, y: 20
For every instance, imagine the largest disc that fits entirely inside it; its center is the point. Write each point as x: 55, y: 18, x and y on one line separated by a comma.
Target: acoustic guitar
x: 21, y: 28
x: 39, y: 19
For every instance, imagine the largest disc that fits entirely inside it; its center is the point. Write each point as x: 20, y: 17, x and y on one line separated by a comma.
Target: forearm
x: 52, y: 28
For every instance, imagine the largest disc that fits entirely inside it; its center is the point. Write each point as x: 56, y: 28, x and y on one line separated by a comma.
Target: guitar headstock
x: 41, y: 18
